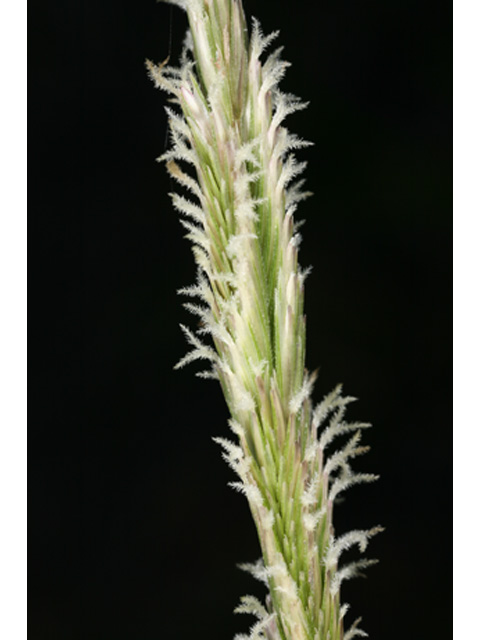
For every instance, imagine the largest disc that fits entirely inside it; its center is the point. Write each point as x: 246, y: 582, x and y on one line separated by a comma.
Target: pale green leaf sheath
x: 244, y: 191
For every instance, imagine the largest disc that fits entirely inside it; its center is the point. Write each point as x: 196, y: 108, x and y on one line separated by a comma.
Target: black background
x: 133, y: 532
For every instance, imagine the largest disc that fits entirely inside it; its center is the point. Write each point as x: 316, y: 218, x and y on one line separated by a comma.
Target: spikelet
x: 234, y: 161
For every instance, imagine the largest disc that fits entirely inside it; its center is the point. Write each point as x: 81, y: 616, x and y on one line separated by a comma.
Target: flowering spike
x: 228, y: 124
